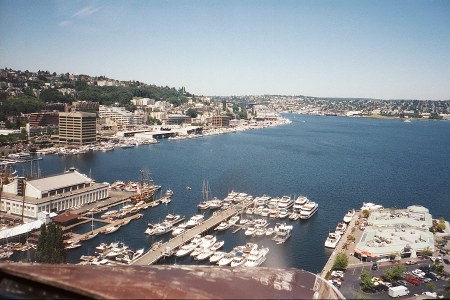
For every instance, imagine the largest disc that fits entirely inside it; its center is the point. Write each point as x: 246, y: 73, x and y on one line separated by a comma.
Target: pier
x: 340, y: 247
x: 154, y: 255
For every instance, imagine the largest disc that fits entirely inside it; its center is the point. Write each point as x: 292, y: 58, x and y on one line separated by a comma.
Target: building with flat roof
x: 53, y: 193
x: 77, y: 128
x: 403, y: 232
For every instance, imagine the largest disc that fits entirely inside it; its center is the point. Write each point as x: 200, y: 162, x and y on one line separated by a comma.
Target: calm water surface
x: 338, y: 162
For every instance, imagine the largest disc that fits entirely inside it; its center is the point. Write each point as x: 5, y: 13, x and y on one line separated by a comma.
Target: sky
x: 371, y: 49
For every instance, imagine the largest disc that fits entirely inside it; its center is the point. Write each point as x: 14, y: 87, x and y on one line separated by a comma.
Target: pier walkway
x: 340, y: 246
x: 154, y: 255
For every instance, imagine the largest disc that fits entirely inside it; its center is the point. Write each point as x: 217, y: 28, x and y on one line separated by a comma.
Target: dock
x: 340, y: 245
x: 154, y: 255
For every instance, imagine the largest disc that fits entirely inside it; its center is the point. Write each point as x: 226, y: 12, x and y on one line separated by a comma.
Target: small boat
x: 215, y: 203
x: 166, y: 200
x: 349, y: 216
x: 371, y: 206
x: 250, y: 231
x: 188, y: 188
x: 332, y: 240
x: 283, y: 232
x: 206, y: 253
x: 203, y: 205
x: 169, y: 193
x: 194, y: 221
x: 238, y: 260
x: 233, y: 220
x: 269, y: 231
x: 216, y: 257
x: 259, y: 232
x: 138, y: 254
x: 185, y: 250
x: 256, y: 257
x: 180, y: 229
x: 112, y: 229
x: 341, y: 227
x: 226, y: 259
x: 217, y: 245
x: 222, y: 226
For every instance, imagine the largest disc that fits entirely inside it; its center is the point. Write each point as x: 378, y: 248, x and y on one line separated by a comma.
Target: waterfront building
x: 120, y: 115
x: 43, y: 119
x: 177, y: 119
x: 77, y: 128
x: 219, y: 121
x: 404, y: 232
x: 53, y: 193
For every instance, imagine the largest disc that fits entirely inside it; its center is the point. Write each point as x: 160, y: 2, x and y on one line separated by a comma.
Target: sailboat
x: 92, y: 234
x: 205, y: 192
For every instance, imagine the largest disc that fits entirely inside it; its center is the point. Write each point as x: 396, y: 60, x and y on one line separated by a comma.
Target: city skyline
x: 373, y: 49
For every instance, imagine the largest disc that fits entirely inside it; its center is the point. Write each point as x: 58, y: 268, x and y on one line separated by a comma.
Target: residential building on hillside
x: 120, y: 115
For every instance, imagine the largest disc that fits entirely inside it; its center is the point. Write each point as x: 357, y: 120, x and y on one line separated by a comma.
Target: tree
x: 394, y: 272
x: 365, y: 213
x: 191, y: 112
x: 341, y: 262
x: 366, y: 281
x: 50, y: 248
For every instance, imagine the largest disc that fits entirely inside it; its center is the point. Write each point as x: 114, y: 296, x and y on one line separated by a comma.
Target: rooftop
x: 59, y: 181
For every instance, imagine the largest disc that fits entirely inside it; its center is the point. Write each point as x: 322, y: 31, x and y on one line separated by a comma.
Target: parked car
x: 446, y: 261
x: 375, y: 266
x: 412, y: 280
x: 402, y: 282
x: 411, y: 262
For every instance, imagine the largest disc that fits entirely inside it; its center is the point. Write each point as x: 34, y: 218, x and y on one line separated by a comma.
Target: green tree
x: 431, y: 287
x: 341, y: 262
x: 365, y: 213
x: 192, y: 112
x: 394, y: 272
x: 366, y: 281
x: 50, y: 248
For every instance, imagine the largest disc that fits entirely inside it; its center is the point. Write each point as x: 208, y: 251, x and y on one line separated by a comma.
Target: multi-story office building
x: 43, y: 119
x: 220, y: 121
x: 77, y: 128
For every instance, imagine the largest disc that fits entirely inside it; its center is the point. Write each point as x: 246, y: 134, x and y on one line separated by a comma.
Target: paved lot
x: 351, y: 285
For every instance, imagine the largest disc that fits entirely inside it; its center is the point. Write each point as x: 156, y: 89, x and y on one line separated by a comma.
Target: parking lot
x: 351, y: 288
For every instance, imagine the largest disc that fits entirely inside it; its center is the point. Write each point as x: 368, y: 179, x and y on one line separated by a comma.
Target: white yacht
x: 216, y: 257
x: 341, y: 227
x: 226, y: 259
x: 206, y: 253
x: 215, y: 203
x: 223, y: 226
x: 180, y: 229
x: 250, y: 231
x: 285, y: 202
x: 208, y: 241
x: 282, y: 233
x: 217, y: 245
x: 332, y: 240
x: 308, y: 210
x: 194, y: 221
x: 203, y: 205
x: 349, y: 215
x: 262, y: 201
x: 299, y: 202
x: 233, y: 220
x: 238, y: 260
x: 256, y: 257
x: 283, y: 213
x: 163, y: 228
x: 371, y: 206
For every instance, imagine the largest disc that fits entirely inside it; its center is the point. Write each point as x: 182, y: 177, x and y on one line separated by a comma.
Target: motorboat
x: 283, y: 213
x: 223, y: 226
x: 294, y: 216
x: 249, y: 211
x: 215, y: 203
x: 238, y: 260
x: 308, y: 210
x: 233, y: 220
x: 341, y: 227
x: 206, y: 253
x: 112, y: 229
x: 274, y: 212
x: 250, y: 231
x: 163, y: 228
x: 256, y: 257
x: 218, y: 255
x: 243, y: 221
x: 260, y: 223
x: 179, y: 229
x: 269, y: 231
x: 194, y: 221
x: 349, y: 216
x: 299, y: 202
x: 171, y: 218
x: 332, y: 240
x: 371, y: 206
x: 262, y: 201
x: 185, y: 250
x: 265, y: 212
x: 138, y: 254
x: 285, y: 202
x: 208, y: 241
x: 283, y: 232
x: 203, y: 205
x: 247, y: 248
x: 260, y: 231
x: 226, y: 259
x: 217, y: 245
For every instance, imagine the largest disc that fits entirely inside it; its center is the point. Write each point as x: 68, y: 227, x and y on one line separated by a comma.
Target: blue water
x: 338, y: 162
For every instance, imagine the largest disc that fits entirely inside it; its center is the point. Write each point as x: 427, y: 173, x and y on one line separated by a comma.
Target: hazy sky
x: 378, y: 49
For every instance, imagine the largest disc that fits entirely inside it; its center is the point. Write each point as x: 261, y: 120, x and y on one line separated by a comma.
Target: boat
x: 299, y: 202
x: 90, y: 236
x: 371, y: 206
x: 233, y: 220
x: 226, y: 259
x: 137, y: 254
x: 283, y: 213
x: 265, y: 212
x: 283, y: 232
x: 112, y: 229
x: 218, y: 255
x: 250, y: 231
x: 217, y: 245
x: 74, y: 244
x: 332, y: 240
x: 203, y: 205
x: 215, y: 203
x: 163, y: 228
x: 185, y: 250
x: 341, y: 227
x: 308, y: 210
x: 180, y: 229
x: 238, y: 260
x: 166, y: 200
x: 223, y: 226
x: 256, y: 257
x: 194, y: 221
x: 349, y: 215
x: 206, y: 253
x: 285, y: 202
x: 173, y: 219
x: 188, y: 188
x: 169, y: 193
x: 269, y: 231
x: 260, y: 231
x: 208, y: 241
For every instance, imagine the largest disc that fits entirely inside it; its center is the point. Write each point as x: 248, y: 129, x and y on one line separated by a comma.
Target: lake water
x: 338, y: 162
